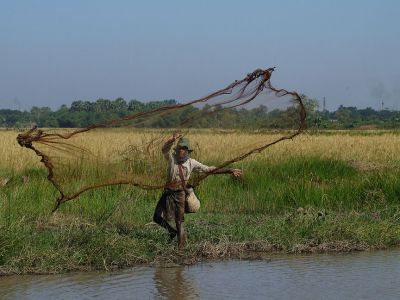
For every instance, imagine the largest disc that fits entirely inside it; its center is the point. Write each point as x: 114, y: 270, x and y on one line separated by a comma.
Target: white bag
x: 192, y: 203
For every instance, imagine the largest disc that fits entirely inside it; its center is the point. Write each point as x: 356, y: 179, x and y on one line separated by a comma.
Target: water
x: 342, y: 276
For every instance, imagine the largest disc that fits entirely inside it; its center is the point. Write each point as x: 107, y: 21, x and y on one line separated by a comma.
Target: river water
x: 366, y: 275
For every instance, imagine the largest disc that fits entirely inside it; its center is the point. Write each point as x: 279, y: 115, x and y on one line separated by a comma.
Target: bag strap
x: 182, y: 178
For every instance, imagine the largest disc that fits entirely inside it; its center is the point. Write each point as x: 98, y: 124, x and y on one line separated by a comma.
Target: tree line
x: 84, y: 113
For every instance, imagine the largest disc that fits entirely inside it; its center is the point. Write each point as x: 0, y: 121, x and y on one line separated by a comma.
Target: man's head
x: 183, y: 149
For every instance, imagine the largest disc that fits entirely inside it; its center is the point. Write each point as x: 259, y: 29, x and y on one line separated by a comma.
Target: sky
x: 54, y: 52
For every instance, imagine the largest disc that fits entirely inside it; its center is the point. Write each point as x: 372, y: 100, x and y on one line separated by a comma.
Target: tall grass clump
x: 299, y: 182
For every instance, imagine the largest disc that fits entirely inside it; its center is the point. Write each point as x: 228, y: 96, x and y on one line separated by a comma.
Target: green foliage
x: 85, y: 113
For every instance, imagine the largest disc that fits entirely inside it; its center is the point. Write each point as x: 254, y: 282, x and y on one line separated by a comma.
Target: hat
x: 184, y: 142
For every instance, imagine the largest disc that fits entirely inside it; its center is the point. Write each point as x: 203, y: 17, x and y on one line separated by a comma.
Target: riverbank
x: 63, y: 244
x: 302, y: 206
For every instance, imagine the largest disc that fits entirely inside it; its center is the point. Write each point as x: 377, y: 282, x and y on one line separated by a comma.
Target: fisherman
x: 172, y: 202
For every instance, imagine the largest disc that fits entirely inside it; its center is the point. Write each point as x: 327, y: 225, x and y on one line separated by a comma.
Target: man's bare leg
x: 181, y: 236
x: 179, y: 219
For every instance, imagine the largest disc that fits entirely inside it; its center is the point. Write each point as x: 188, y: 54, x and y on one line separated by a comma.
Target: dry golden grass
x: 215, y: 146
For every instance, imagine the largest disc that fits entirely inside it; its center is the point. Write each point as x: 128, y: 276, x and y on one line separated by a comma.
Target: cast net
x: 222, y: 126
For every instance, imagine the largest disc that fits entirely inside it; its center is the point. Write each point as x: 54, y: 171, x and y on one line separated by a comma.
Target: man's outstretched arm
x: 232, y: 171
x: 199, y: 167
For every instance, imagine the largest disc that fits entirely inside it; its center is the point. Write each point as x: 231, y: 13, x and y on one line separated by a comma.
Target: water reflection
x: 350, y: 276
x: 171, y: 283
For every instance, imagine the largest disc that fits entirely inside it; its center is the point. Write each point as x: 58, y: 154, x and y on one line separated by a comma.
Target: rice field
x: 362, y: 146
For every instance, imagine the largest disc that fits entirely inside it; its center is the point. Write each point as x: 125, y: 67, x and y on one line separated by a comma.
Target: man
x: 172, y: 201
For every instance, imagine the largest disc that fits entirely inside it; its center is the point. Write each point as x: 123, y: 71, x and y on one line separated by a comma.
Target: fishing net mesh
x: 128, y: 150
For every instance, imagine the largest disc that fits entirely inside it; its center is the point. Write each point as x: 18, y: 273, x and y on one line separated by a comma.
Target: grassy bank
x: 318, y: 193
x: 301, y: 205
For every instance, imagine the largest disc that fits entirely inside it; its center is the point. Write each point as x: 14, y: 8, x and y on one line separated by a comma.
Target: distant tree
x: 102, y: 105
x: 135, y: 105
x: 119, y: 104
x: 50, y: 122
x: 40, y: 114
x: 311, y: 106
x: 343, y: 115
x: 83, y: 113
x: 76, y: 106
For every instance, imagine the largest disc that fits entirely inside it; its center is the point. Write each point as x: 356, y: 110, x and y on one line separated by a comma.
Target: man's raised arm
x: 166, y: 148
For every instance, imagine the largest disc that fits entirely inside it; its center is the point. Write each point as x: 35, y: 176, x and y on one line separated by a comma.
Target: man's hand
x: 235, y: 172
x: 177, y: 134
x: 168, y: 143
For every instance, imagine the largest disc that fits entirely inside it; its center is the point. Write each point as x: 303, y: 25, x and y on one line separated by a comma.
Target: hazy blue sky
x: 54, y: 52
